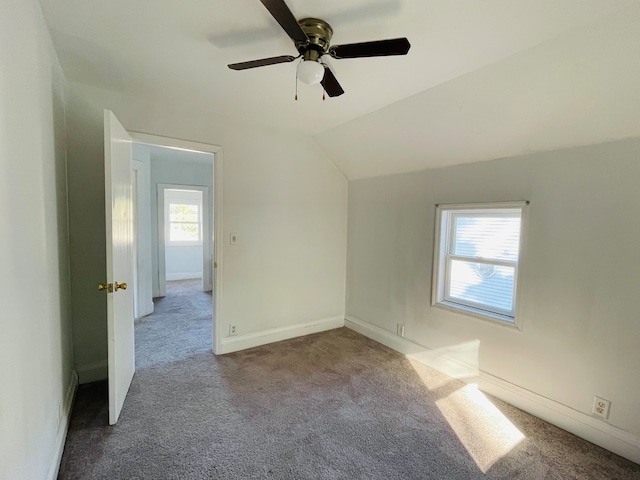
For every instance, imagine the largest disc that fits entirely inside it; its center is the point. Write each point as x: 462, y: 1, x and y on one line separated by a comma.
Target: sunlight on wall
x: 455, y: 361
x: 483, y: 430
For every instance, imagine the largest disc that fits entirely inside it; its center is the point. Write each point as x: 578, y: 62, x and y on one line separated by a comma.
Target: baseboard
x: 183, y: 276
x: 92, y: 372
x: 399, y: 344
x: 63, y: 426
x: 581, y: 424
x: 596, y: 431
x: 242, y: 342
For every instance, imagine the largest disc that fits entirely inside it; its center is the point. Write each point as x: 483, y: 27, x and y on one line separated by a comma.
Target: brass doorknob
x: 121, y: 286
x: 105, y: 286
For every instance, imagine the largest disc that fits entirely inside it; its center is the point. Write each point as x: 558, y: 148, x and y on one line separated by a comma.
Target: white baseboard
x: 581, y: 424
x: 183, y: 276
x: 92, y: 372
x: 63, y: 426
x: 242, y: 342
x: 399, y: 344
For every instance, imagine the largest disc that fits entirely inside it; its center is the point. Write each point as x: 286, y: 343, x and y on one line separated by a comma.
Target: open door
x: 120, y: 242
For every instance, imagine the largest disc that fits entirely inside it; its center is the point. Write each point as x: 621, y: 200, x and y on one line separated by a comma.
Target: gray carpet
x: 333, y: 405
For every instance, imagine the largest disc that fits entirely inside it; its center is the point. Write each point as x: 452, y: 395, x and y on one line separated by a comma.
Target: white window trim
x: 168, y: 200
x: 438, y: 290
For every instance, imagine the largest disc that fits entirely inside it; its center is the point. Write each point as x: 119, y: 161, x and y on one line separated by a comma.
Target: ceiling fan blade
x: 330, y: 83
x: 378, y: 48
x: 279, y: 10
x: 263, y: 62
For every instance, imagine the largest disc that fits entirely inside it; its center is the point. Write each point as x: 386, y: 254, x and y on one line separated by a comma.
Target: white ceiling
x: 168, y: 154
x: 483, y: 78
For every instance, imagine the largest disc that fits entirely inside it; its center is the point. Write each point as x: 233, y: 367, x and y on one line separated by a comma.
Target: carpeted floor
x: 333, y: 405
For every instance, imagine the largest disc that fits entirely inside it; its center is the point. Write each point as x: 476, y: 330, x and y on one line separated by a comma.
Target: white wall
x: 282, y: 196
x: 581, y: 332
x: 36, y: 361
x: 183, y: 262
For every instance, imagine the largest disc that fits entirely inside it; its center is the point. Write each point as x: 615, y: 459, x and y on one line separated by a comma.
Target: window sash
x: 449, y: 259
x: 446, y: 223
x: 169, y: 223
x: 454, y: 215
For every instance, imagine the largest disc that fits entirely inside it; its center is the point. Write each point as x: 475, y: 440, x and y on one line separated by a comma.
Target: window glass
x: 476, y: 261
x: 184, y: 232
x: 183, y: 213
x: 183, y: 217
x: 492, y: 237
x: 482, y: 284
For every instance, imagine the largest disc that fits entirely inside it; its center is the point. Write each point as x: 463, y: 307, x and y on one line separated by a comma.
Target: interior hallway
x: 179, y: 327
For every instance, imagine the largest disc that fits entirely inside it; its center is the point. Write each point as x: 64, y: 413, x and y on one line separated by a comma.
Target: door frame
x: 207, y: 270
x: 143, y: 290
x: 216, y: 268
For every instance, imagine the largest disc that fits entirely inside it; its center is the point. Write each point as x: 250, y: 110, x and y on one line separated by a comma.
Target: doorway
x: 183, y: 235
x: 193, y: 171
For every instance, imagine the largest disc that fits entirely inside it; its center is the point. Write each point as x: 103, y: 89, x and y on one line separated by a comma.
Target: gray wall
x: 36, y: 359
x: 580, y: 330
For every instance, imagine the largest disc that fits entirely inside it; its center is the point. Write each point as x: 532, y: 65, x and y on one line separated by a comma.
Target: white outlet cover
x: 601, y: 407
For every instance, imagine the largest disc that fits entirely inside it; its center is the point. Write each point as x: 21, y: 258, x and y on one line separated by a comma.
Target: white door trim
x: 217, y: 152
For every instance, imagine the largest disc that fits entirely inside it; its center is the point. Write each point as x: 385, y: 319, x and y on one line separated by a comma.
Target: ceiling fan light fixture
x: 310, y: 72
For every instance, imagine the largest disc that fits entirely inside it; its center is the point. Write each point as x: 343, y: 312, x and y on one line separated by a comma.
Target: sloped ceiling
x: 483, y: 79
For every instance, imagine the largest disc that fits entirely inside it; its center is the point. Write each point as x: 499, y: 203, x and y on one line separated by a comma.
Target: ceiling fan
x: 312, y: 39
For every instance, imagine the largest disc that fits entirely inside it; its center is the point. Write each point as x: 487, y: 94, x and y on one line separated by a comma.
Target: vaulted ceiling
x: 483, y: 79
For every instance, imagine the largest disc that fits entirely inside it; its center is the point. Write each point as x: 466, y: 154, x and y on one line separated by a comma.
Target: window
x: 477, y: 259
x: 183, y: 217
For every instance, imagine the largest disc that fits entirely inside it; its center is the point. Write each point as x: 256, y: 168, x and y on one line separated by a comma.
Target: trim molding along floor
x: 250, y: 340
x: 64, y: 417
x: 585, y: 426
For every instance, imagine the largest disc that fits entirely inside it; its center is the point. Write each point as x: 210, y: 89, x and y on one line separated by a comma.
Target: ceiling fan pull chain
x: 324, y: 97
x: 296, y: 97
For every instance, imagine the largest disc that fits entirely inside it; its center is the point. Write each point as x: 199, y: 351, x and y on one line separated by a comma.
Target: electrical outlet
x: 400, y: 329
x: 601, y: 407
x: 232, y: 330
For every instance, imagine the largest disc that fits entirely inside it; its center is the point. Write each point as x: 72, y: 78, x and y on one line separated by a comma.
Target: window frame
x: 178, y: 199
x: 445, y: 215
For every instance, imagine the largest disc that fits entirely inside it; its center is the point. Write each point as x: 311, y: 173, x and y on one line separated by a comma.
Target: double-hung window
x: 183, y: 217
x: 477, y: 259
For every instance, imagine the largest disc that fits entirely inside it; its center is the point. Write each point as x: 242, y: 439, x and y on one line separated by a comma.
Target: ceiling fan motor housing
x: 319, y: 33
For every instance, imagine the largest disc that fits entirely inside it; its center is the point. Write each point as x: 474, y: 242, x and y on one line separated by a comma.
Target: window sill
x: 494, y: 318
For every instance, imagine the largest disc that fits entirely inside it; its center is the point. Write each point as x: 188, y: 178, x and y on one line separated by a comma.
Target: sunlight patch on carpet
x: 484, y: 431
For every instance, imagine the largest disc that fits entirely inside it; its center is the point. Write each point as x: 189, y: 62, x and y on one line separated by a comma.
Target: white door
x: 120, y: 243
